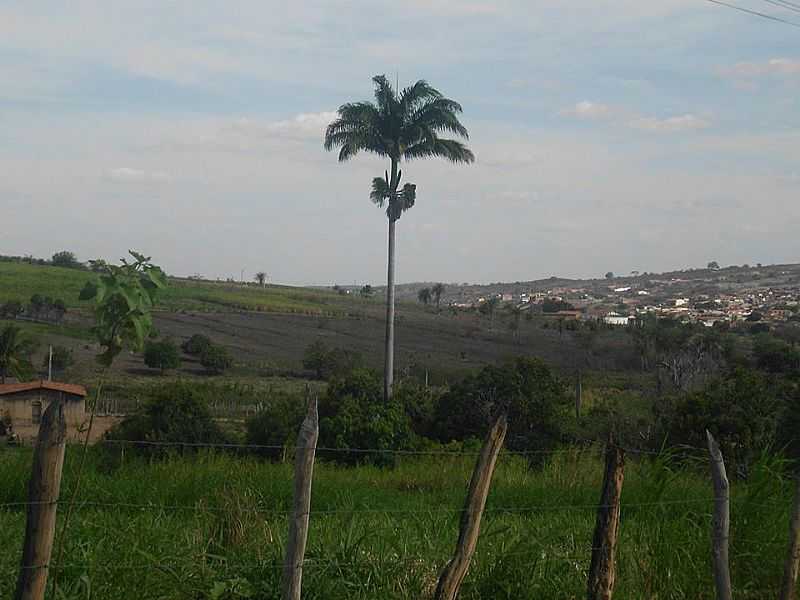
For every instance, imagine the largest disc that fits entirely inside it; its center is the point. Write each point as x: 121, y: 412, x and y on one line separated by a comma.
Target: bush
x: 276, y: 424
x: 526, y: 388
x: 353, y: 414
x: 161, y: 355
x: 65, y: 259
x: 741, y: 410
x: 175, y: 412
x: 774, y: 355
x: 196, y: 344
x: 216, y: 359
x: 327, y: 363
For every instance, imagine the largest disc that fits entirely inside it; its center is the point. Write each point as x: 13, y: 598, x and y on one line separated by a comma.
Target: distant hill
x: 681, y: 281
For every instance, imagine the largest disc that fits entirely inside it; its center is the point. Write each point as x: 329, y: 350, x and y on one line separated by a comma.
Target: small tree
x: 314, y: 358
x: 489, y: 308
x: 437, y: 290
x: 713, y: 265
x: 216, y: 359
x: 367, y: 291
x: 196, y: 344
x: 261, y: 278
x: 162, y: 355
x: 65, y: 258
x: 424, y: 296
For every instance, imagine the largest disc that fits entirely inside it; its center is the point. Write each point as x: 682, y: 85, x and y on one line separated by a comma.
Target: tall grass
x: 378, y: 533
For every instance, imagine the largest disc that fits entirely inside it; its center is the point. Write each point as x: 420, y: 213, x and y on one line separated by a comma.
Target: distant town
x: 709, y: 296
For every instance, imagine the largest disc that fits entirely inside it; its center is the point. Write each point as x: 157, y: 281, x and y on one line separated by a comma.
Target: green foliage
x: 15, y: 354
x: 741, y: 410
x: 196, y: 344
x: 353, y: 414
x: 162, y: 355
x: 216, y: 359
x: 525, y: 388
x: 62, y: 359
x: 327, y: 362
x: 276, y: 424
x: 551, y: 305
x: 774, y: 355
x: 424, y: 296
x: 11, y: 309
x: 175, y: 412
x: 123, y: 296
x: 66, y: 259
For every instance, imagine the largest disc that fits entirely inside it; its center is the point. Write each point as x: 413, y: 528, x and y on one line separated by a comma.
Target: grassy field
x: 19, y: 281
x: 214, y: 526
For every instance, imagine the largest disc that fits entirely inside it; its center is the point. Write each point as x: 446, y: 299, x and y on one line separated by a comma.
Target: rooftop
x: 69, y: 388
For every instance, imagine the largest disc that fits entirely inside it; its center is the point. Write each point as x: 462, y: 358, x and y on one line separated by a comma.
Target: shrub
x: 65, y: 258
x: 774, y: 355
x: 175, y: 412
x: 328, y: 362
x: 196, y: 344
x: 526, y: 388
x: 353, y: 414
x: 161, y: 355
x: 276, y: 424
x: 216, y: 359
x: 741, y: 410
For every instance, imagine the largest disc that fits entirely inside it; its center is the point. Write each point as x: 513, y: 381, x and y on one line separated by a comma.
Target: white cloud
x: 588, y: 110
x: 131, y: 175
x: 788, y: 67
x: 686, y: 122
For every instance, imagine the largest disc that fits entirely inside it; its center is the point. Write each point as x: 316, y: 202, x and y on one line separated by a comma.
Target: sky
x: 610, y: 135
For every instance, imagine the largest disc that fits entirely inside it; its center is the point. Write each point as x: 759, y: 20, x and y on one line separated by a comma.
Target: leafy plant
x: 123, y: 297
x: 216, y: 359
x: 15, y: 353
x: 162, y: 355
x: 196, y: 344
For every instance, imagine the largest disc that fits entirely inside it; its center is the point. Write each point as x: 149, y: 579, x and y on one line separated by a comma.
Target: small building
x: 614, y: 318
x: 23, y: 404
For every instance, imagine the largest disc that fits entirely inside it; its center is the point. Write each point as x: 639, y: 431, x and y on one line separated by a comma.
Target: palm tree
x: 437, y: 290
x: 424, y: 295
x: 399, y: 125
x: 15, y: 351
x: 261, y: 278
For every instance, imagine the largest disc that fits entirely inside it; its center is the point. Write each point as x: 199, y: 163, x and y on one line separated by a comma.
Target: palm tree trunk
x: 388, y: 365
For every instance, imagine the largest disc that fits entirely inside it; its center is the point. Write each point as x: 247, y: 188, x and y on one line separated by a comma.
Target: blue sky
x: 609, y: 135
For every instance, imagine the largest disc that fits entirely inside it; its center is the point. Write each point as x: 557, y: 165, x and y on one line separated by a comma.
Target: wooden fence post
x: 455, y: 571
x: 603, y: 568
x: 298, y: 524
x: 43, y: 490
x: 792, y: 566
x: 721, y: 522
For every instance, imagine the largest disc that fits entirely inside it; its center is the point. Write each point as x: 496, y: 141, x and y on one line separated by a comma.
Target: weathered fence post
x: 722, y: 521
x: 43, y: 490
x: 578, y: 395
x: 298, y: 524
x: 792, y: 566
x: 455, y: 571
x: 603, y: 568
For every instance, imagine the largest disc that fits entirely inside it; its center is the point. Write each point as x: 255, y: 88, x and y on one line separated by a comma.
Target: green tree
x: 15, y: 354
x: 65, y: 258
x: 437, y: 290
x: 162, y: 355
x: 489, y: 307
x: 261, y: 278
x: 216, y: 359
x: 367, y: 291
x: 424, y: 296
x: 398, y: 126
x: 713, y: 265
x: 196, y: 344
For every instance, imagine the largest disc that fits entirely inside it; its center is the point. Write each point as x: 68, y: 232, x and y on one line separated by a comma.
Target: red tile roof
x: 69, y: 388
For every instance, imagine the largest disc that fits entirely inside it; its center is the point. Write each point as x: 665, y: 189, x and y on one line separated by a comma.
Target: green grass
x: 19, y: 281
x: 387, y: 533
